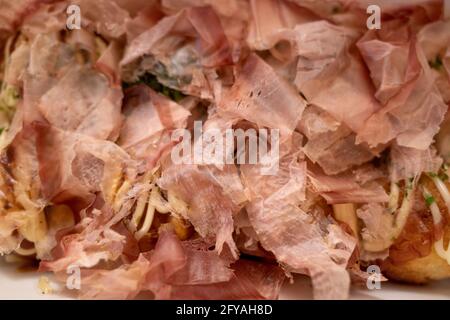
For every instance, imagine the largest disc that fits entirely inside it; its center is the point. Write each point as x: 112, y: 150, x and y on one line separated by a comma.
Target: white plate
x: 24, y: 285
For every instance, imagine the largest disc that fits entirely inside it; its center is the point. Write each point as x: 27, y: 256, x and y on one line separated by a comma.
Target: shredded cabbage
x: 9, y: 98
x: 9, y: 95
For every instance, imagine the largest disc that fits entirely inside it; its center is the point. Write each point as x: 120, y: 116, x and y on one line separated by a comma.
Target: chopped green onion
x: 430, y: 200
x: 442, y: 176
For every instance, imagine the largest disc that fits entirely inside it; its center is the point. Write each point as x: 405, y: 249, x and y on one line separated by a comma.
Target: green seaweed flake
x: 151, y: 81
